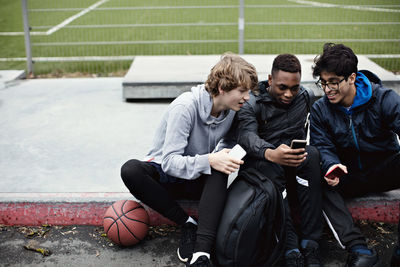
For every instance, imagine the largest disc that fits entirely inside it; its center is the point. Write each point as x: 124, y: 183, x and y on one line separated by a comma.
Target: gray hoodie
x: 187, y: 134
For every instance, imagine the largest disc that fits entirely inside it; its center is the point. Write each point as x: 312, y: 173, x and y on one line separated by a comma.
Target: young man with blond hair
x: 182, y: 162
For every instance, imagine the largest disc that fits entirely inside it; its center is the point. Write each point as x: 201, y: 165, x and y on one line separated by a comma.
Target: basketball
x: 126, y: 222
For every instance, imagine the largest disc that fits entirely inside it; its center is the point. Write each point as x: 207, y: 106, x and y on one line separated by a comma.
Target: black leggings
x: 143, y: 181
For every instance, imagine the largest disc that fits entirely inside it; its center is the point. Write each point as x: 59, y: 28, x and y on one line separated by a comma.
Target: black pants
x: 380, y: 178
x: 143, y: 181
x: 303, y: 186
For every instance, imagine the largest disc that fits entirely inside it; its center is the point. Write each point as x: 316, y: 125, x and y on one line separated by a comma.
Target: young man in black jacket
x: 354, y: 127
x: 266, y: 125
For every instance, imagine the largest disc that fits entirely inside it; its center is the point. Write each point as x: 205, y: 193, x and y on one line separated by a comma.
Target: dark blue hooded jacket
x: 362, y: 136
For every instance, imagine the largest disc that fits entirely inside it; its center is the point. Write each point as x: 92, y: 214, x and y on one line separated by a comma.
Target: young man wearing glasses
x: 267, y: 124
x: 354, y: 127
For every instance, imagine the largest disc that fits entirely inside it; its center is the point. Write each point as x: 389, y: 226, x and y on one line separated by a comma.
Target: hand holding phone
x: 337, y: 171
x: 298, y: 144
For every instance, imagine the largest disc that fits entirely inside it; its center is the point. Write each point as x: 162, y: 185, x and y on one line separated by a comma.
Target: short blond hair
x: 231, y: 72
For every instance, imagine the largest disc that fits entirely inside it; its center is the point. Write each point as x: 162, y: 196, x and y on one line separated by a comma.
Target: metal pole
x: 241, y: 27
x: 28, y: 49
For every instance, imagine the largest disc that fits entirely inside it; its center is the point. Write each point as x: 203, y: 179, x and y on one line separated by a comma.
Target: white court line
x: 20, y: 33
x: 59, y: 26
x: 70, y: 19
x: 114, y: 58
x: 70, y: 59
x: 344, y: 6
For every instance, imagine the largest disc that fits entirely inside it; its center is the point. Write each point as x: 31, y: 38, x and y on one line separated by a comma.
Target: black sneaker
x: 188, y: 239
x: 361, y: 260
x: 311, y: 254
x: 395, y: 261
x: 294, y: 259
x: 202, y: 261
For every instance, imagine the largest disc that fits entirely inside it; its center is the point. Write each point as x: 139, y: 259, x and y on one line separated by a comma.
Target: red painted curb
x: 90, y: 213
x: 379, y: 211
x: 25, y: 213
x: 55, y: 210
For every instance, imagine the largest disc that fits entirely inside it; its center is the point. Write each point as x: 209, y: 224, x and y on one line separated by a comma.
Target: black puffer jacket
x: 361, y: 138
x: 262, y: 123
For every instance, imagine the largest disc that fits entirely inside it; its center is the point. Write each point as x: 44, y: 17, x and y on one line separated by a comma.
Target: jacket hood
x: 363, y: 88
x: 205, y: 103
x: 371, y: 76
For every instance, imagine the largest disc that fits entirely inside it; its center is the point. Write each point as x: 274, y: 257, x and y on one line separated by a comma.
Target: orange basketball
x: 126, y: 222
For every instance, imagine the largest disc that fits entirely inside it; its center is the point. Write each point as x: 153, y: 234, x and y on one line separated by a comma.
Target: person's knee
x: 312, y: 153
x: 129, y: 170
x: 311, y: 170
x: 219, y: 175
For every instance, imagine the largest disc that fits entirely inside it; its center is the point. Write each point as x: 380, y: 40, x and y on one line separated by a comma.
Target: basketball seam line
x: 119, y: 218
x: 129, y: 230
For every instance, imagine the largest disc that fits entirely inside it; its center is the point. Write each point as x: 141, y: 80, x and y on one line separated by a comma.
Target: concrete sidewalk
x: 63, y: 141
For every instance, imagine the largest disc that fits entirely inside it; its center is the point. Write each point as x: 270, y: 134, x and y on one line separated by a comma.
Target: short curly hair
x: 231, y: 72
x: 286, y: 62
x: 336, y: 58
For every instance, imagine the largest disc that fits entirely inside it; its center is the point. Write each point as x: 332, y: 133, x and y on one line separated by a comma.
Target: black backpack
x: 252, y: 227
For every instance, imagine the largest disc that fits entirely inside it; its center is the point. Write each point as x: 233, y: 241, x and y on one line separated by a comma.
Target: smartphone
x: 237, y: 152
x: 298, y: 144
x: 335, y: 172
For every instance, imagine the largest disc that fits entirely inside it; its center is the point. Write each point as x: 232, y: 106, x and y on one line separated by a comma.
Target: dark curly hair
x: 336, y: 58
x: 286, y: 62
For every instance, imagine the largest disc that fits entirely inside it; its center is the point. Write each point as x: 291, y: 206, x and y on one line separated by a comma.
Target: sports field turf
x: 114, y: 28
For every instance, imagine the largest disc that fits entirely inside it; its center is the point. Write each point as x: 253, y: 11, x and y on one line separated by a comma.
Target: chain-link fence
x: 103, y: 36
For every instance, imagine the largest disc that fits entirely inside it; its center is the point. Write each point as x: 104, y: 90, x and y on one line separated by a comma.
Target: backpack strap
x: 309, y: 98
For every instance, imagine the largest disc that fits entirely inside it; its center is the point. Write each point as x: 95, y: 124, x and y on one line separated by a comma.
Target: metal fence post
x: 28, y: 49
x: 241, y: 27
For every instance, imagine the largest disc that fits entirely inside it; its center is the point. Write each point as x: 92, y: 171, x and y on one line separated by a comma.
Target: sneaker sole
x: 180, y: 258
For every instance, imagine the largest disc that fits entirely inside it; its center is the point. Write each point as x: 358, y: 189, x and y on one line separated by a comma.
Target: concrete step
x: 88, y: 208
x: 168, y: 76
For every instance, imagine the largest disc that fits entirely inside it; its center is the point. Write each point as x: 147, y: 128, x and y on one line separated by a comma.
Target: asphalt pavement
x: 87, y: 246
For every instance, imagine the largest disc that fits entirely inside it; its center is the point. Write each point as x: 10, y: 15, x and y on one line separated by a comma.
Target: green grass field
x: 131, y: 28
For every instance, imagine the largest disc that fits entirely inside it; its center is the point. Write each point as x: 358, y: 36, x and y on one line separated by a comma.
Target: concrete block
x: 168, y: 76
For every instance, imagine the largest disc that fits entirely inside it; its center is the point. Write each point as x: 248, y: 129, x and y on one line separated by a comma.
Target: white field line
x: 71, y: 59
x: 61, y: 25
x: 319, y: 4
x: 137, y: 8
x: 120, y: 58
x: 183, y: 7
x: 303, y: 41
x: 20, y: 33
x: 70, y: 19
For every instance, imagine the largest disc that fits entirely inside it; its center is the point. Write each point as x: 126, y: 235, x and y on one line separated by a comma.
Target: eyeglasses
x: 330, y: 85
